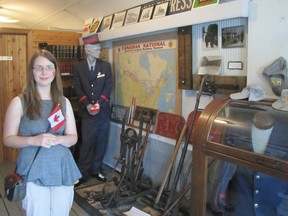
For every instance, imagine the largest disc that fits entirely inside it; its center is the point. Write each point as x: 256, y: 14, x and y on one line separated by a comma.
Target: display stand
x: 224, y: 133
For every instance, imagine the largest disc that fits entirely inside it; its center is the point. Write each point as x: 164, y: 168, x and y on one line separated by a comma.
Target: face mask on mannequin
x: 92, y: 51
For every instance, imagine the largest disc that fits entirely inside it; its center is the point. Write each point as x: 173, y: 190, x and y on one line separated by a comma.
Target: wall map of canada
x: 147, y: 72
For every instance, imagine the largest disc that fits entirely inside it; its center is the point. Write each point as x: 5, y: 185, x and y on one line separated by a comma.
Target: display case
x: 244, y: 143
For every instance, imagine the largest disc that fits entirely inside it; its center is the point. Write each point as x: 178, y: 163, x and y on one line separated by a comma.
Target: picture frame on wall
x: 203, y: 3
x: 146, y: 13
x: 118, y: 19
x: 91, y: 26
x: 106, y: 23
x: 160, y: 10
x: 210, y: 36
x: 132, y: 16
x: 233, y: 36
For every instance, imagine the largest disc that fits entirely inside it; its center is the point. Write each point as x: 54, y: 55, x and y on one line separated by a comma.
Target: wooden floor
x: 8, y: 208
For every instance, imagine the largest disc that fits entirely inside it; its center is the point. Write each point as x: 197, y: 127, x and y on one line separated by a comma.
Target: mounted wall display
x: 184, y: 58
x: 210, y: 65
x: 106, y: 23
x: 210, y: 41
x: 224, y: 11
x: 160, y: 10
x: 91, y: 26
x: 118, y: 19
x: 179, y: 6
x: 147, y: 71
x: 203, y: 3
x: 147, y: 11
x: 210, y: 36
x: 233, y: 36
x: 169, y: 125
x: 235, y: 65
x: 119, y: 113
x: 132, y: 16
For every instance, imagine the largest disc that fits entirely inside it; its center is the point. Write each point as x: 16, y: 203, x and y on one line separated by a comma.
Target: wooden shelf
x: 228, y: 10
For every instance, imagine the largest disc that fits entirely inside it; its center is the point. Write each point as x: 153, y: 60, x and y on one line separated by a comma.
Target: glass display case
x: 240, y: 160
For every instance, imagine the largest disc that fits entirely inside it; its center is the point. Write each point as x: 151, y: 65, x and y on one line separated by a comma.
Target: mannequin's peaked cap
x: 91, y: 39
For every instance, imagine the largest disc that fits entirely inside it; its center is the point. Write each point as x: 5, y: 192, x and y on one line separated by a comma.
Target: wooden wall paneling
x: 54, y: 38
x: 13, y: 76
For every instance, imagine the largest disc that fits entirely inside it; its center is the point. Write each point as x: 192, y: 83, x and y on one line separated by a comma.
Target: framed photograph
x: 210, y: 37
x: 146, y: 13
x: 233, y: 37
x: 118, y: 19
x: 106, y: 23
x: 132, y: 16
x: 203, y: 3
x: 160, y: 10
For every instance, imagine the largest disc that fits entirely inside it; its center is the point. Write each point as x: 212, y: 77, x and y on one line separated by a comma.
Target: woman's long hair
x: 30, y: 92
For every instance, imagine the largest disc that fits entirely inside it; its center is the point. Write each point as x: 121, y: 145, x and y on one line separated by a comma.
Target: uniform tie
x: 91, y: 71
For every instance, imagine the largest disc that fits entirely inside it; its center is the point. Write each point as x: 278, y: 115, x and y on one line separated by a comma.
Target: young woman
x: 27, y: 125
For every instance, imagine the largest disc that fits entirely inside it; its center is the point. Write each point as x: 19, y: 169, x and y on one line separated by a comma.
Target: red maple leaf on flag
x: 56, y: 118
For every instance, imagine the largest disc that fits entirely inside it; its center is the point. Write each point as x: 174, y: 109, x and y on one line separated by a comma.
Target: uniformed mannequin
x: 254, y: 193
x: 93, y: 85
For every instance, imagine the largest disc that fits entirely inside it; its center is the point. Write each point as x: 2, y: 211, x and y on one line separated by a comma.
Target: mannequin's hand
x: 88, y: 107
x: 95, y: 109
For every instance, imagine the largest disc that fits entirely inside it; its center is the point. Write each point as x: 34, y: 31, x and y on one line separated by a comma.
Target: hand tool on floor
x: 171, y: 162
x: 184, y: 150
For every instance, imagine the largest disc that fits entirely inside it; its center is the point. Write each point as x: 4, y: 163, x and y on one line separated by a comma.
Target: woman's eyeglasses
x: 40, y: 68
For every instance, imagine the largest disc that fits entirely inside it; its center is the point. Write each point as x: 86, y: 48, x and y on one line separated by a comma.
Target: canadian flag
x: 56, y: 118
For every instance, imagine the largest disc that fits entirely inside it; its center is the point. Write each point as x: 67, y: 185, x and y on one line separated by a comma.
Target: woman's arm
x: 11, y: 137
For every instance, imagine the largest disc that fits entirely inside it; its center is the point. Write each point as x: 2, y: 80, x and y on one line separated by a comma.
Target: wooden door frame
x: 28, y: 48
x: 26, y: 32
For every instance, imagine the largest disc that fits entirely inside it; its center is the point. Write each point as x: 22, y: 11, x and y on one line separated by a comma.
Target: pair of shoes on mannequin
x: 99, y: 176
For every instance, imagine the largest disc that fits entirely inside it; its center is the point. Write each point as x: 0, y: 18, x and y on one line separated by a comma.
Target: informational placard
x: 119, y: 112
x: 179, y: 6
